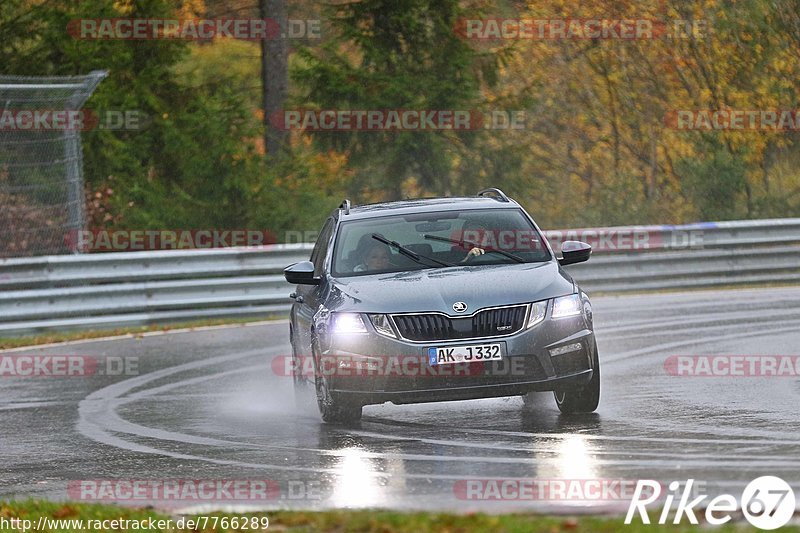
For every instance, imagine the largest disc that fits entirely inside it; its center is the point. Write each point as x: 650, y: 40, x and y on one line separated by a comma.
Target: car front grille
x: 496, y: 322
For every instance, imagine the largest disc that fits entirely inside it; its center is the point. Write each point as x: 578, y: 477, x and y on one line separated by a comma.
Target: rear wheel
x: 584, y: 399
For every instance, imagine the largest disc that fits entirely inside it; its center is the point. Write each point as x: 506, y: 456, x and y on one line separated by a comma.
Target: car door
x: 309, y: 297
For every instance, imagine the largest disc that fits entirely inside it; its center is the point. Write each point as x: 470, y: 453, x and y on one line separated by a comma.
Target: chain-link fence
x: 41, y: 171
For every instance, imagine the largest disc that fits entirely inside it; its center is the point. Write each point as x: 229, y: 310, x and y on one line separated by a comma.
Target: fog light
x: 352, y: 363
x: 574, y: 347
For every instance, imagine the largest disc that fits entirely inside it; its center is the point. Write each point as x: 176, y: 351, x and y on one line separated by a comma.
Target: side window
x: 321, y: 247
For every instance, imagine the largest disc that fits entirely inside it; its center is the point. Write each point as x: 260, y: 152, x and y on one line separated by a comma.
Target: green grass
x: 354, y: 521
x: 48, y: 338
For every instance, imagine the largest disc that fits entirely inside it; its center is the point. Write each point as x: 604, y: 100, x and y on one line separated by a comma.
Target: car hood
x: 439, y: 289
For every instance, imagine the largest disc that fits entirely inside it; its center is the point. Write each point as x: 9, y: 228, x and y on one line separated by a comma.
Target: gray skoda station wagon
x: 436, y: 300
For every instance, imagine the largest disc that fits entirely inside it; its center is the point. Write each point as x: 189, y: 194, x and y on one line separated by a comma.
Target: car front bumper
x: 371, y: 368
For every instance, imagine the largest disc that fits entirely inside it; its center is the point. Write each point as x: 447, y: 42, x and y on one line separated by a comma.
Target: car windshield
x: 457, y: 238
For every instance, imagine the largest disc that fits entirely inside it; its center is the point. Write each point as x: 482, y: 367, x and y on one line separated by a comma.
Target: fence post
x: 41, y: 163
x: 73, y: 156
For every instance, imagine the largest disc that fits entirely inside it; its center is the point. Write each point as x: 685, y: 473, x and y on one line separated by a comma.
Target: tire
x: 334, y: 408
x: 584, y: 399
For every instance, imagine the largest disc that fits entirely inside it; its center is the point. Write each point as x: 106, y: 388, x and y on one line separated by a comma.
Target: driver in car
x: 468, y: 233
x: 375, y: 257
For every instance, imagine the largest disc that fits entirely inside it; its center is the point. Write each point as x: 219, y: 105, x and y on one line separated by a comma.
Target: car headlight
x: 382, y: 325
x: 344, y: 323
x: 567, y: 306
x: 538, y: 310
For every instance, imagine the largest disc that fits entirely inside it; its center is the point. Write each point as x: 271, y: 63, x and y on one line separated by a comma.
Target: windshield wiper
x: 516, y: 258
x: 408, y: 253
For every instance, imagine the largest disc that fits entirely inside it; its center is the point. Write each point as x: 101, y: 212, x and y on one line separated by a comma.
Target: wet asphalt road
x: 207, y: 405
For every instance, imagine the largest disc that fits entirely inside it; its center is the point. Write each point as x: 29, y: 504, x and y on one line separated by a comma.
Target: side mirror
x: 301, y: 273
x: 574, y: 252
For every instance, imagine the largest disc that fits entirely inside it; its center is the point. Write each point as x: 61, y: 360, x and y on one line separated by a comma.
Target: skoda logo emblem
x: 459, y: 307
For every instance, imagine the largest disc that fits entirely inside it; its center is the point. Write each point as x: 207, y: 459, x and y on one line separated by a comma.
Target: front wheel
x: 334, y: 408
x: 584, y: 399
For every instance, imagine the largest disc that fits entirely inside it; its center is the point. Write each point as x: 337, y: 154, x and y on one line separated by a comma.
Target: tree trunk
x: 274, y: 72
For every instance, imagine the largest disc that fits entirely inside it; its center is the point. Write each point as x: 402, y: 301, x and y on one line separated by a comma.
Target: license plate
x: 464, y: 354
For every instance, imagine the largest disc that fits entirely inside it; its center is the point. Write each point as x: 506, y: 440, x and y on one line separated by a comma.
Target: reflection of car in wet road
x: 440, y: 299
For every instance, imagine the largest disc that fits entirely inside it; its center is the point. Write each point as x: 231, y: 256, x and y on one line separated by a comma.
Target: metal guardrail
x: 101, y: 291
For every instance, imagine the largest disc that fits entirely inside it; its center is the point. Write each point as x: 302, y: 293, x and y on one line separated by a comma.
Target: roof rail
x: 499, y: 195
x: 346, y: 206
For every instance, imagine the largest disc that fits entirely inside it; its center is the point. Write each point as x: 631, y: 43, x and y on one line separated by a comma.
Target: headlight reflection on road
x: 576, y: 458
x: 356, y: 483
